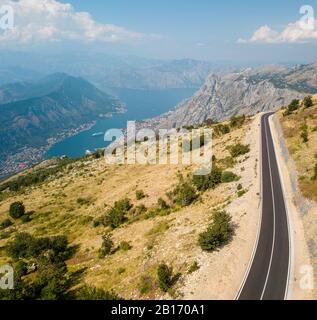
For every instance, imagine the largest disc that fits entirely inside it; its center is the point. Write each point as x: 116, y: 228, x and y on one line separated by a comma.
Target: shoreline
x: 29, y: 156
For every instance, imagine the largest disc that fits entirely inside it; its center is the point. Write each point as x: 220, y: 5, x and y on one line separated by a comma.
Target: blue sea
x: 141, y: 104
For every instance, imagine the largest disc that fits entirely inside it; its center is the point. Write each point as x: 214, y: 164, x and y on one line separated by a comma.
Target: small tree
x: 218, y: 233
x: 17, y: 210
x: 308, y: 102
x: 209, y: 181
x: 239, y: 150
x: 140, y: 194
x: 107, y: 245
x: 184, y: 194
x: 165, y: 277
x: 294, y: 105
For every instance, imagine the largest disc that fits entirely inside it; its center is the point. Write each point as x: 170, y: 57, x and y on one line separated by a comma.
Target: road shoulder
x: 300, y: 257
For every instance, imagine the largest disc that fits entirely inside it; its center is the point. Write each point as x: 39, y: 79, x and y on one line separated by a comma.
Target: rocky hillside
x: 246, y: 92
x: 117, y: 224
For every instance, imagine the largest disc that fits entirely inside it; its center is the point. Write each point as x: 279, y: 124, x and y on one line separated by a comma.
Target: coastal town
x: 29, y: 156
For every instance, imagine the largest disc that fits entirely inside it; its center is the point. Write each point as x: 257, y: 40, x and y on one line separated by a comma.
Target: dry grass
x: 304, y: 154
x: 172, y: 239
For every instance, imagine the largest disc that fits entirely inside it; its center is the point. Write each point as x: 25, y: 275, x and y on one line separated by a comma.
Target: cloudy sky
x: 248, y: 30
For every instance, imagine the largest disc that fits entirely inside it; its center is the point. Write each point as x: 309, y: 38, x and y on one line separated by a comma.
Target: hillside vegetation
x: 299, y: 123
x: 81, y: 229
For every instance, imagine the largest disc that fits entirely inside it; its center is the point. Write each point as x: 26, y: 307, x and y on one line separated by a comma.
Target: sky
x: 215, y: 30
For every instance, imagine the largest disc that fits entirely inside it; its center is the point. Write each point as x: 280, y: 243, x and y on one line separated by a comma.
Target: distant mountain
x: 11, y: 74
x: 245, y: 92
x: 172, y: 74
x: 34, y: 112
x: 110, y: 71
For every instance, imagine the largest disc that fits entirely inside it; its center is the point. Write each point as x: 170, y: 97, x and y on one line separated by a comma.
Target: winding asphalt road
x: 267, y: 277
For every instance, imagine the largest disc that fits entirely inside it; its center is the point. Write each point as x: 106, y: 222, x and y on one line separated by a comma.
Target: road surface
x: 267, y: 278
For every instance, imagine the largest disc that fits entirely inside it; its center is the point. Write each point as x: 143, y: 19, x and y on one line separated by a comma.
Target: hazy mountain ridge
x: 108, y: 71
x: 246, y: 92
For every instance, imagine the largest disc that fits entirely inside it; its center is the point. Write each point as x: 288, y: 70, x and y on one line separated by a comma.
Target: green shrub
x: 162, y: 204
x: 222, y: 129
x: 107, y: 245
x: 210, y: 181
x: 26, y: 246
x: 239, y: 150
x: 239, y: 187
x: 140, y: 194
x: 5, y: 224
x: 116, y: 216
x: 121, y: 270
x: 146, y: 285
x: 165, y: 277
x: 17, y: 210
x: 125, y: 246
x: 26, y: 218
x: 237, y: 122
x: 228, y: 176
x: 294, y: 105
x: 308, y: 102
x: 241, y: 193
x: 184, y: 194
x: 93, y: 294
x: 218, y: 233
x: 193, y: 268
x: 304, y: 136
x: 84, y: 201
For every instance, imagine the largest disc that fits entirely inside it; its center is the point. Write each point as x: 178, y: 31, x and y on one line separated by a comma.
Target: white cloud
x: 296, y: 32
x: 50, y: 20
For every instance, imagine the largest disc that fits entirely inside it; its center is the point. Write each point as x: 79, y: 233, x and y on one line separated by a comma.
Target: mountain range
x: 243, y: 92
x: 109, y: 71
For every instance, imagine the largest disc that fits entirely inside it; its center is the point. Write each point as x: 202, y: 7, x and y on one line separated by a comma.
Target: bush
x: 222, y: 129
x: 140, y: 194
x: 184, y: 194
x: 165, y: 277
x: 5, y: 224
x: 237, y: 122
x: 125, y: 246
x: 210, y: 181
x: 17, y: 210
x: 146, y: 285
x: 93, y: 294
x: 193, y: 268
x: 107, y: 245
x: 308, y: 102
x: 239, y: 187
x: 116, y: 216
x: 26, y: 246
x: 239, y: 150
x: 304, y: 136
x: 83, y: 201
x: 26, y: 218
x: 218, y: 233
x: 241, y: 193
x: 228, y: 176
x: 162, y: 204
x: 294, y: 105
